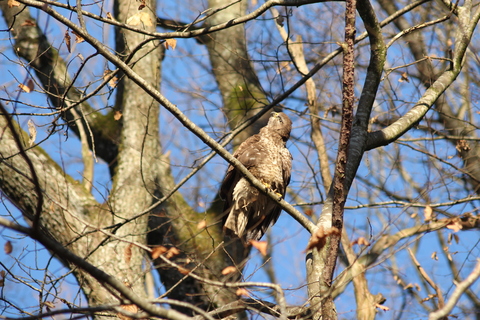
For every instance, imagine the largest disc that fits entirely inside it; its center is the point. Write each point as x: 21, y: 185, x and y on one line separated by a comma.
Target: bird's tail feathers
x: 236, y: 222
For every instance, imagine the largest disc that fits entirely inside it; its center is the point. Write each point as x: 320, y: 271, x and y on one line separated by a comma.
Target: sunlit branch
x: 33, y: 174
x: 466, y: 27
x: 427, y: 278
x: 277, y: 288
x: 416, y: 28
x: 98, y: 274
x: 455, y: 296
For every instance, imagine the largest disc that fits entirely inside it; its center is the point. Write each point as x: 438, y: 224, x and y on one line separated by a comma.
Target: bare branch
x: 455, y: 296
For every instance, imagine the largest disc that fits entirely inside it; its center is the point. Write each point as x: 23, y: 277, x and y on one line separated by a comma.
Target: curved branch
x: 459, y: 290
x: 98, y: 274
x: 385, y: 242
x: 32, y: 45
x: 406, y: 122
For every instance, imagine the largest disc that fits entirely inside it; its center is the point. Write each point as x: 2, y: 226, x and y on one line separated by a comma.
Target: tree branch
x: 459, y: 290
x: 401, y: 126
x: 98, y: 274
x: 32, y: 45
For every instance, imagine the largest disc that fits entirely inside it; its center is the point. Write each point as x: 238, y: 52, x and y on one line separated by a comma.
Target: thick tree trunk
x: 241, y: 91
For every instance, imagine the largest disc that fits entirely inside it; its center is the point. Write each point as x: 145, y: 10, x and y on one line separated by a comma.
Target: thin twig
x: 427, y: 278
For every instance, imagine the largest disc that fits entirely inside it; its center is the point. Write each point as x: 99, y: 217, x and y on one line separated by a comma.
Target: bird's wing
x: 244, y: 154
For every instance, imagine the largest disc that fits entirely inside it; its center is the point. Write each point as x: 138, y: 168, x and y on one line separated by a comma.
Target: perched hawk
x: 248, y: 213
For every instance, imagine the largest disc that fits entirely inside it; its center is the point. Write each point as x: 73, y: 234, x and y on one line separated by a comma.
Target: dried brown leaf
x: 158, y: 251
x: 428, y: 213
x: 142, y: 5
x: 113, y: 82
x: 78, y: 38
x: 430, y: 296
x: 183, y: 270
x: 68, y: 41
x: 172, y: 252
x: 319, y: 238
x: 49, y: 304
x: 404, y: 78
x: 109, y: 16
x: 434, y: 256
x: 242, y: 292
x: 117, y: 115
x: 361, y: 242
x: 170, y: 43
x: 202, y: 224
x: 228, y: 270
x: 27, y: 87
x: 308, y: 212
x: 8, y: 247
x: 454, y: 225
x: 261, y: 246
x: 13, y: 3
x: 456, y: 238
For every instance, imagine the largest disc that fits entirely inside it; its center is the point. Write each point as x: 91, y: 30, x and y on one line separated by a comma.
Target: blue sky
x: 185, y: 70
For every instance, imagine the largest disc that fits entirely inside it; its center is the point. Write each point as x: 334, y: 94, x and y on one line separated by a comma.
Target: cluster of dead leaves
x: 169, y: 252
x: 112, y: 83
x: 68, y: 39
x: 319, y: 238
x: 452, y: 223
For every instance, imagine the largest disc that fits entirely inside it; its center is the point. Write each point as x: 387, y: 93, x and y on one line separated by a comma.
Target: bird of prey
x: 247, y: 212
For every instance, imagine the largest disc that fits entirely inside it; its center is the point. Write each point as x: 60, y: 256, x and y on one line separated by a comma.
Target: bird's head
x: 280, y: 123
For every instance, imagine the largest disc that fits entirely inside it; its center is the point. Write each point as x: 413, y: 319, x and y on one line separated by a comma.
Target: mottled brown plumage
x: 248, y: 213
